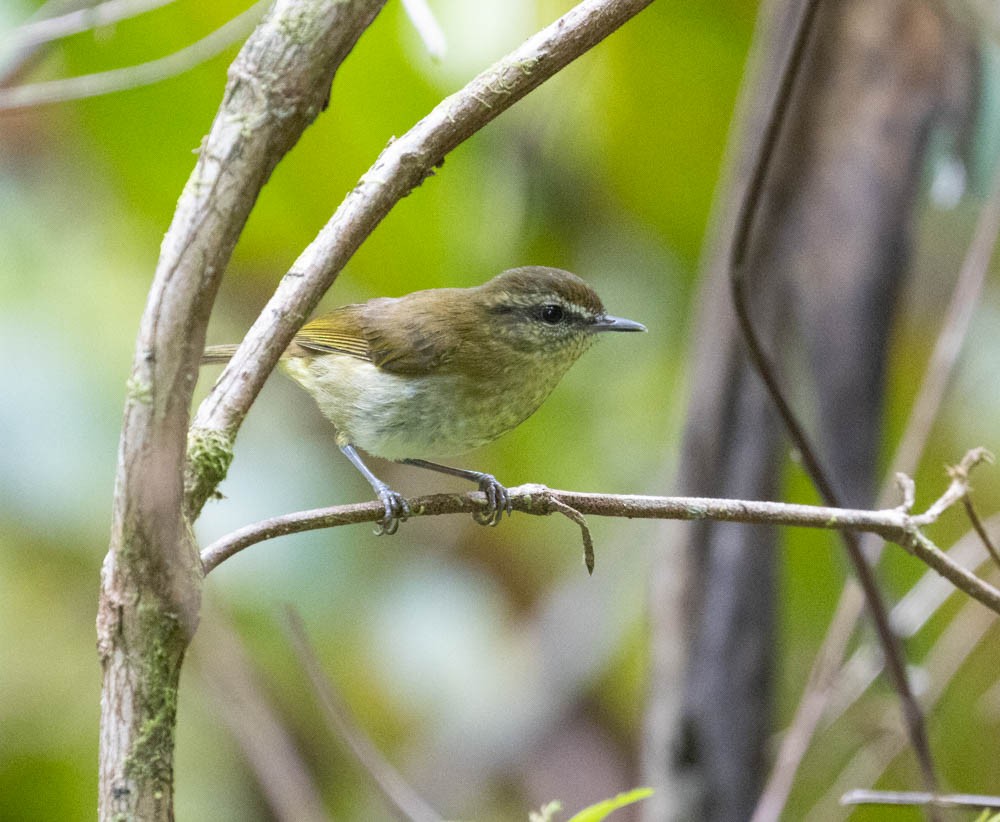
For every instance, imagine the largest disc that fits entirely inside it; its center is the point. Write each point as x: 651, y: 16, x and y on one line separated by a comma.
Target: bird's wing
x: 339, y: 332
x: 385, y: 332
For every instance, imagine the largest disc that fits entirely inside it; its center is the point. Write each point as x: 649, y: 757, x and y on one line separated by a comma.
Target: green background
x: 465, y: 653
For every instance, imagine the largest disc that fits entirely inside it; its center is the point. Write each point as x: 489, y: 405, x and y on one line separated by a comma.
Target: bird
x: 439, y: 372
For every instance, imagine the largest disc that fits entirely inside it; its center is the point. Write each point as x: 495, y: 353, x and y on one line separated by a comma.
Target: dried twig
x: 963, y: 634
x: 921, y: 799
x: 143, y: 74
x: 741, y: 245
x: 959, y: 487
x: 397, y: 791
x: 980, y: 529
x: 36, y: 32
x: 930, y: 395
x: 893, y: 524
x: 910, y: 614
x: 588, y: 541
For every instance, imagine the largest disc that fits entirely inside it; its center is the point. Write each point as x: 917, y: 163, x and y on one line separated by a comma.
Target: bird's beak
x: 609, y: 323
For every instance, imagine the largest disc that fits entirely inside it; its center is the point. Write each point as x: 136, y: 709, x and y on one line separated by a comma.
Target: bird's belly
x: 395, y: 416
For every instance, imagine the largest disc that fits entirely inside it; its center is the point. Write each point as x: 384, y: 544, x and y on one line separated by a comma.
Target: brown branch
x: 151, y: 580
x: 937, y: 377
x: 234, y: 683
x: 741, y: 246
x: 980, y: 529
x: 959, y: 487
x: 960, y: 481
x: 396, y: 790
x: 403, y: 165
x: 894, y: 525
x: 137, y: 76
x: 46, y: 29
x: 968, y: 801
x: 950, y: 651
x: 909, y: 615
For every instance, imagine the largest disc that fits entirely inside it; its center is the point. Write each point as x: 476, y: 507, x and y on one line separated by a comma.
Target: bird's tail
x: 216, y: 354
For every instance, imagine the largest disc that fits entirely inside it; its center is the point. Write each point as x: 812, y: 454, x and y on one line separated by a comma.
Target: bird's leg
x: 396, y: 509
x: 497, y: 498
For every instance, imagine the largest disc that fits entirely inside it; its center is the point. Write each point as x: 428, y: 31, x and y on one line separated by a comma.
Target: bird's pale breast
x: 436, y: 415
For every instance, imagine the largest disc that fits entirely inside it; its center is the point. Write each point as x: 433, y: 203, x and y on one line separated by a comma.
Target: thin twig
x: 937, y: 377
x: 891, y: 647
x: 36, y: 32
x: 892, y: 524
x: 980, y: 529
x: 910, y: 614
x: 268, y: 744
x: 960, y: 481
x: 963, y: 634
x: 427, y: 27
x: 588, y: 541
x: 130, y: 77
x: 399, y: 793
x: 959, y: 486
x: 969, y: 801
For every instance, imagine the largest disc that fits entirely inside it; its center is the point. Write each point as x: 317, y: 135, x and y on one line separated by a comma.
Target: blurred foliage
x: 485, y: 664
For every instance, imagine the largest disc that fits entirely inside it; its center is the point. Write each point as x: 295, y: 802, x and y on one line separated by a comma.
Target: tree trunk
x: 829, y: 250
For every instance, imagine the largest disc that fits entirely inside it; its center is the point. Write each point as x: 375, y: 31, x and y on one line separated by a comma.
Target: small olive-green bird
x: 440, y: 372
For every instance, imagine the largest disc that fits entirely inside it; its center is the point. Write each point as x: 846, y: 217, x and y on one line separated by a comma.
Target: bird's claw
x: 396, y: 511
x: 497, y: 501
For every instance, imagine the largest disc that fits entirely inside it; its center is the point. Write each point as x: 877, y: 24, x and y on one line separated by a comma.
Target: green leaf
x: 595, y: 813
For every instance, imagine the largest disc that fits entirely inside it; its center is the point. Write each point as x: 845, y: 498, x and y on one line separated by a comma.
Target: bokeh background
x: 484, y: 663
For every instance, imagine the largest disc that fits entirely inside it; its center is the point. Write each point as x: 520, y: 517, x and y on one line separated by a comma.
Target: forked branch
x: 897, y: 525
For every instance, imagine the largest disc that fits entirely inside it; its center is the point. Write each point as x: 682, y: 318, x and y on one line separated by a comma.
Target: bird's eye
x: 551, y: 314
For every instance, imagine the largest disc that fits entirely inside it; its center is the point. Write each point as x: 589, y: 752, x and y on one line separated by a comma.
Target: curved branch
x: 36, y: 32
x: 739, y: 252
x: 151, y: 579
x: 137, y: 76
x: 894, y: 524
x: 924, y: 413
x: 403, y: 165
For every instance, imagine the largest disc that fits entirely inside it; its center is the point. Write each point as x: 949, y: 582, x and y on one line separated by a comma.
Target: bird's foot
x: 396, y: 510
x: 497, y: 501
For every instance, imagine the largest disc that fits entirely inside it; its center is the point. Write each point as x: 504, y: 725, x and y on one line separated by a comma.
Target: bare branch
x: 402, y: 166
x: 36, y: 32
x: 980, y: 529
x: 397, y: 791
x: 963, y: 634
x: 937, y: 376
x: 959, y: 489
x: 910, y: 614
x: 892, y: 524
x: 144, y: 74
x: 921, y: 799
x: 151, y: 580
x: 233, y: 682
x: 427, y: 27
x: 959, y: 486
